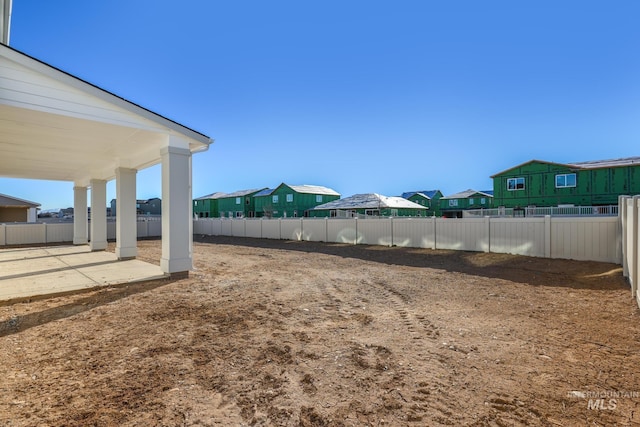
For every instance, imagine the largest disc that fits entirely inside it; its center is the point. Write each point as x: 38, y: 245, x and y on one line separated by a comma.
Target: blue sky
x: 359, y: 96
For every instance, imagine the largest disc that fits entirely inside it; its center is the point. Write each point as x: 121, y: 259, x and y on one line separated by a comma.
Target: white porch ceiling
x: 54, y: 126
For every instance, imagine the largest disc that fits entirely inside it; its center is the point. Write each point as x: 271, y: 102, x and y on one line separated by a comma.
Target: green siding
x: 238, y: 206
x: 433, y: 204
x: 296, y: 205
x: 453, y: 207
x: 600, y: 186
x: 206, y: 208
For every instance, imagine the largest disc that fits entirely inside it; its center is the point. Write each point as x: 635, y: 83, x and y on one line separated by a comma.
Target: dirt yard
x: 278, y: 333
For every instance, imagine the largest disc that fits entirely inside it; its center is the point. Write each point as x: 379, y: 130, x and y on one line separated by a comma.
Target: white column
x: 98, y: 215
x: 126, y: 218
x: 177, y: 225
x: 80, y: 219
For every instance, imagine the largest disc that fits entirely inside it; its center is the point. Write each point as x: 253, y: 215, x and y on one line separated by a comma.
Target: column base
x: 80, y: 241
x: 174, y: 266
x: 126, y: 253
x: 98, y: 246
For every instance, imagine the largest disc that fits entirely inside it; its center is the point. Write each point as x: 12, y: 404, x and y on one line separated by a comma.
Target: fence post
x: 435, y: 233
x: 632, y: 214
x: 326, y: 229
x: 547, y: 236
x: 623, y: 224
x: 391, y: 224
x: 487, y: 221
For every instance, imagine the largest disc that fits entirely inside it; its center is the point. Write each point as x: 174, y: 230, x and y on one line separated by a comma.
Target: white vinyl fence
x: 579, y: 238
x: 61, y: 232
x: 629, y: 218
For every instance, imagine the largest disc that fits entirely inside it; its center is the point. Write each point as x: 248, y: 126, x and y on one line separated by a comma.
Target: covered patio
x: 55, y: 126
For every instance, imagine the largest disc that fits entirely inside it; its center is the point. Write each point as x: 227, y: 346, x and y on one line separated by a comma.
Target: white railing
x: 532, y: 211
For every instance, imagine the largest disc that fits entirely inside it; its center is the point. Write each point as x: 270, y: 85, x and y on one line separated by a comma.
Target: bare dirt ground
x: 310, y: 334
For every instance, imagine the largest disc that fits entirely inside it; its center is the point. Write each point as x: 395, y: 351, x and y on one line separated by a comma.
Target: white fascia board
x: 200, y: 141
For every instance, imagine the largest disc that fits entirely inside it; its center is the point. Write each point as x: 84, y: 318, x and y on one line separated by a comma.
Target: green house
x: 541, y: 184
x: 427, y: 198
x: 369, y: 204
x: 452, y: 206
x: 239, y: 204
x: 207, y: 206
x: 287, y: 201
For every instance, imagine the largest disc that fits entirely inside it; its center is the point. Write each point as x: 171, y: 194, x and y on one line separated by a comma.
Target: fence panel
x: 154, y: 228
x: 414, y: 232
x: 142, y: 229
x: 291, y: 229
x: 585, y: 239
x: 237, y: 227
x: 271, y: 228
x: 518, y: 236
x: 3, y: 230
x: 226, y: 227
x: 314, y: 229
x: 464, y: 234
x: 377, y: 231
x: 26, y: 234
x: 57, y: 233
x: 342, y: 231
x: 253, y: 228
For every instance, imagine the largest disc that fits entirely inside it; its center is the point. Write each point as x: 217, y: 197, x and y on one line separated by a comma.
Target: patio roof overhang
x: 54, y: 126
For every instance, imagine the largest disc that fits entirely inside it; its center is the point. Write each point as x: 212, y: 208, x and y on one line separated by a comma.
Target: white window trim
x: 516, y: 179
x: 565, y: 175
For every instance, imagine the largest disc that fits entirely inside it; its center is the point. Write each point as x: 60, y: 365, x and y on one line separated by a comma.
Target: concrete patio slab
x: 28, y: 272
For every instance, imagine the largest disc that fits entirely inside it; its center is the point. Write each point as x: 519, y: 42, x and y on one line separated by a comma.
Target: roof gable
x: 468, y: 193
x: 593, y: 164
x: 370, y: 201
x: 9, y: 201
x: 309, y: 189
x: 427, y: 194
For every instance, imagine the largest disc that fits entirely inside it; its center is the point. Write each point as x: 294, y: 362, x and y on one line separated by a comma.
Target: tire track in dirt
x: 430, y: 402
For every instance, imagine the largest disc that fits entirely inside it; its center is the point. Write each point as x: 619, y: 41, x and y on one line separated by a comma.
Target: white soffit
x: 55, y: 126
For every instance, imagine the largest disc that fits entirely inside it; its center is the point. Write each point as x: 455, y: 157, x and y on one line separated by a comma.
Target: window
x: 238, y: 200
x: 470, y: 201
x: 515, y: 184
x: 274, y: 199
x: 566, y: 180
x: 483, y: 200
x: 289, y: 198
x: 318, y: 198
x: 453, y: 202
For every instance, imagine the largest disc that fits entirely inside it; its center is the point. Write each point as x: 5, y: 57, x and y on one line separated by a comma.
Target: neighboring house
x: 427, y: 198
x: 143, y: 207
x: 149, y: 207
x: 540, y: 183
x: 239, y: 204
x: 286, y: 201
x: 453, y: 205
x: 369, y: 204
x: 207, y: 206
x: 13, y: 209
